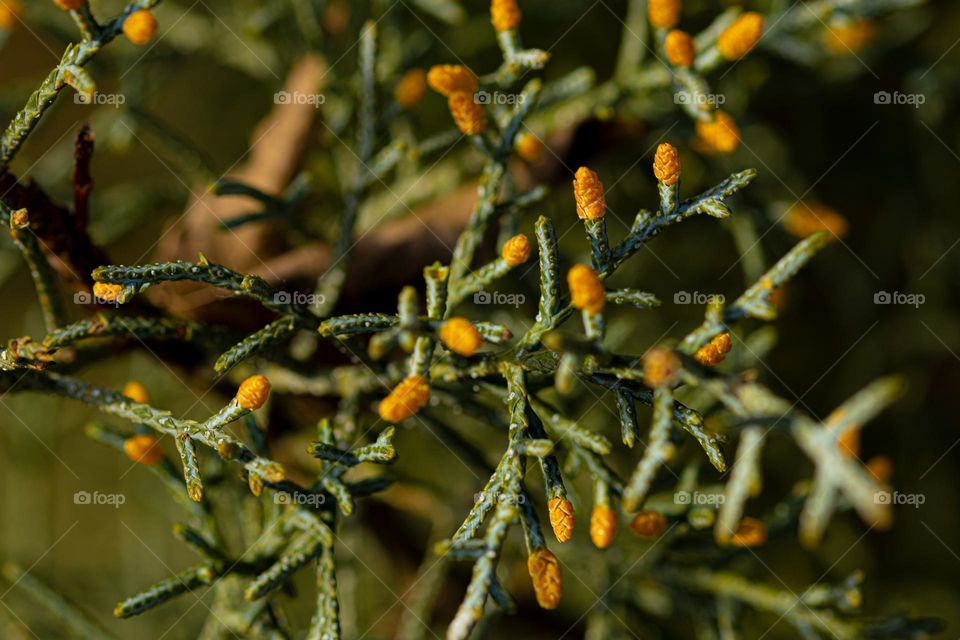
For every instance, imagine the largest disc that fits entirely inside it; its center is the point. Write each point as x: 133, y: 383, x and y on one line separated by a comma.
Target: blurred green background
x: 815, y: 134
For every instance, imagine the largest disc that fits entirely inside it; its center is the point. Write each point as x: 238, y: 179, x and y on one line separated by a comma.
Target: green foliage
x: 520, y: 384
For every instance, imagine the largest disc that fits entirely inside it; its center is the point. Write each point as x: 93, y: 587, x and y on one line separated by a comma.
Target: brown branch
x: 69, y: 249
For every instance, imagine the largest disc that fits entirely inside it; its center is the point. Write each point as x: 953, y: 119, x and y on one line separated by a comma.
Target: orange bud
x: 504, y: 14
x: 447, y: 79
x: 666, y: 164
x: 516, y: 250
x: 469, y: 116
x: 586, y: 289
x: 253, y: 392
x: 144, y: 449
x: 849, y: 443
x: 18, y: 220
x: 778, y: 297
x: 529, y: 147
x: 649, y: 524
x: 660, y: 367
x: 680, y: 49
x: 460, y: 336
x: 589, y: 194
x: 561, y: 518
x: 107, y: 292
x: 603, y: 526
x: 140, y: 26
x: 10, y: 11
x: 544, y: 569
x: 713, y: 353
x: 663, y: 14
x: 719, y: 135
x: 136, y: 392
x: 410, y: 88
x: 881, y: 468
x: 804, y: 219
x: 741, y: 36
x: 750, y: 533
x: 405, y: 400
x: 844, y: 39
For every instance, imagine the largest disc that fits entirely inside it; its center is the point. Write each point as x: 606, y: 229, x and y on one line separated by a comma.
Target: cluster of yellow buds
x: 680, y: 49
x: 405, y: 400
x: 661, y: 366
x: 586, y: 289
x: 740, y: 37
x: 561, y: 518
x: 666, y: 164
x: 253, y: 392
x: 460, y: 336
x: 410, y: 89
x: 504, y: 15
x: 107, y: 292
x: 529, y: 147
x: 750, y: 533
x: 649, y: 524
x: 663, y: 14
x: 516, y: 250
x: 589, y: 194
x: 140, y: 26
x: 544, y: 569
x: 459, y: 85
x: 804, y: 219
x: 603, y: 525
x: 719, y: 135
x: 144, y: 449
x: 467, y: 113
x: 713, y: 353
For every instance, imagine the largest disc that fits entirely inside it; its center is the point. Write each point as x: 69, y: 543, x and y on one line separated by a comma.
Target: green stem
x: 76, y: 55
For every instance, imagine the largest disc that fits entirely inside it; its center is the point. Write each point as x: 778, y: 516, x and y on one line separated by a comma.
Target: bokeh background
x: 815, y: 133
